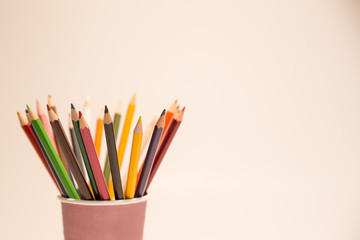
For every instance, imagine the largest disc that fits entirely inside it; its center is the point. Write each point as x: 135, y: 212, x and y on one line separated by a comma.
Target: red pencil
x: 170, y: 133
x: 93, y: 158
x: 26, y: 128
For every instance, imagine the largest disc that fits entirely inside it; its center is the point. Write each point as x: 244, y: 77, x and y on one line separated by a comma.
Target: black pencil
x: 75, y: 146
x: 69, y: 155
x: 150, y: 155
x: 113, y: 158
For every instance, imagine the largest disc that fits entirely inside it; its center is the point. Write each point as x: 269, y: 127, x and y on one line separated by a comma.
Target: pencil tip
x: 37, y: 102
x: 28, y: 107
x: 183, y: 110
x: 106, y: 109
x: 80, y: 114
x: 139, y: 119
x: 18, y: 113
x: 27, y: 111
x: 163, y: 112
x: 48, y: 107
x: 72, y: 106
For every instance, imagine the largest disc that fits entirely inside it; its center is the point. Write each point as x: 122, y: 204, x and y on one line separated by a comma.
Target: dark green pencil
x: 75, y: 120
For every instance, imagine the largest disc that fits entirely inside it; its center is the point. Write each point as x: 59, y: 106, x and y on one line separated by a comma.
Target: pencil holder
x: 105, y: 220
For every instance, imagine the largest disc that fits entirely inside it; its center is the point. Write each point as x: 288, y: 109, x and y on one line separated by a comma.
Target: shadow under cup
x: 105, y: 220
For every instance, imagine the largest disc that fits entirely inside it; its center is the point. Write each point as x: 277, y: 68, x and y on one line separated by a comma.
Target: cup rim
x: 102, y: 202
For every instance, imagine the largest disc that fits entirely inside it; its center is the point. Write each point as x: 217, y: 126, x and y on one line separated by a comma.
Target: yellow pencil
x: 124, y: 137
x: 134, y: 161
x: 126, y: 130
x: 99, y: 131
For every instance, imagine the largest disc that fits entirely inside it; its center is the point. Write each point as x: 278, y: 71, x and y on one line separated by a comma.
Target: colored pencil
x: 169, y: 115
x: 164, y: 146
x: 75, y: 146
x: 149, y: 159
x: 86, y: 110
x: 44, y: 119
x: 93, y: 158
x: 116, y: 124
x: 126, y: 130
x: 98, y: 132
x: 52, y: 105
x: 69, y: 154
x: 134, y: 160
x: 27, y: 128
x: 147, y: 134
x: 53, y: 156
x: 146, y: 138
x: 114, y: 163
x: 76, y: 124
x: 124, y: 136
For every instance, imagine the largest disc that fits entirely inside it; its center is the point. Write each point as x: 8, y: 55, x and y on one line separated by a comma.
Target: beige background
x: 269, y: 147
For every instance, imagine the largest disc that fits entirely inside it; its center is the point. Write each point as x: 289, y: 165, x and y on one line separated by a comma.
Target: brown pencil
x: 113, y: 158
x: 52, y: 105
x: 69, y: 155
x: 170, y: 133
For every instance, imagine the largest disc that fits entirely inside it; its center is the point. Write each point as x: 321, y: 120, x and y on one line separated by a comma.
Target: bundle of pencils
x: 74, y: 165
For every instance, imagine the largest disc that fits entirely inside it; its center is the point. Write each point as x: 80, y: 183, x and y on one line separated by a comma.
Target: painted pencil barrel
x: 91, y: 219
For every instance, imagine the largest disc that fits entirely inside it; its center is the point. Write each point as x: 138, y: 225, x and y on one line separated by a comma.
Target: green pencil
x: 75, y: 120
x: 116, y: 122
x: 52, y: 154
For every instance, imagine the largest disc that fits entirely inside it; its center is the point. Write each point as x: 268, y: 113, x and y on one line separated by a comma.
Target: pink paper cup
x: 103, y: 220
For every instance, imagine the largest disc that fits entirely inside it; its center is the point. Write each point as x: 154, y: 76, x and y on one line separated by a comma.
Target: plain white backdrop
x: 269, y: 146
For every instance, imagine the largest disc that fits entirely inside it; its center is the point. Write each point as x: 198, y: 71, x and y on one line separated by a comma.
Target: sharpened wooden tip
x: 161, y: 121
x: 107, y: 116
x: 179, y: 116
x: 52, y: 115
x: 138, y: 128
x: 87, y: 102
x: 71, y: 126
x: 32, y: 115
x: 39, y: 108
x: 22, y: 120
x: 74, y: 115
x: 83, y: 123
x: 118, y: 109
x: 133, y: 100
x: 51, y: 101
x: 101, y: 114
x: 172, y: 108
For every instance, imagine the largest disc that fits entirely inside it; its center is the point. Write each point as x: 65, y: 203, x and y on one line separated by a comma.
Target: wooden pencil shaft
x: 54, y: 158
x: 116, y: 124
x: 166, y: 141
x: 73, y: 163
x: 86, y: 160
x: 134, y: 161
x: 94, y: 162
x: 76, y: 149
x: 148, y: 162
x: 125, y: 133
x: 52, y: 173
x: 113, y: 160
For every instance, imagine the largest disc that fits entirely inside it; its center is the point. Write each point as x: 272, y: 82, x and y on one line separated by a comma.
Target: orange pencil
x: 99, y: 131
